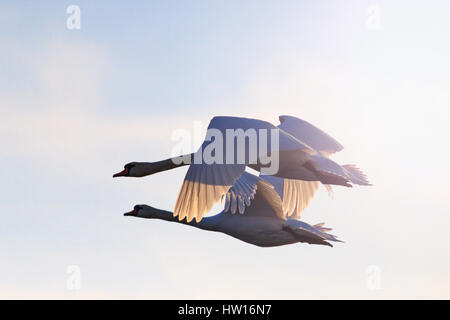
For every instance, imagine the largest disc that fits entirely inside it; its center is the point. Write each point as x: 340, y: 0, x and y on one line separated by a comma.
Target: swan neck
x: 167, y: 164
x: 208, y: 223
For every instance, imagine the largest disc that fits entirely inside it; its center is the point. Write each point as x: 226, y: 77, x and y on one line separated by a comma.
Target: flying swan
x: 265, y: 223
x: 304, y: 152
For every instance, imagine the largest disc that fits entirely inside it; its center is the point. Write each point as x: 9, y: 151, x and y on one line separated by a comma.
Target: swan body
x: 264, y: 223
x: 259, y: 231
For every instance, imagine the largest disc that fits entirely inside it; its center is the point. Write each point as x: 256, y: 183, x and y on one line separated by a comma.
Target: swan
x: 264, y: 223
x: 304, y: 161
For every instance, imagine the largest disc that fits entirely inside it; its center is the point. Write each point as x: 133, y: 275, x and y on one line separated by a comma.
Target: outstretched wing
x: 286, y: 197
x: 214, y: 171
x: 202, y: 187
x: 241, y: 194
x: 251, y: 195
x: 295, y: 194
x: 310, y: 134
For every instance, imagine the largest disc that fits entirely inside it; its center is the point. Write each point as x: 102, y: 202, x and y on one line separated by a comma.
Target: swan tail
x: 356, y: 175
x: 328, y: 171
x: 316, y: 234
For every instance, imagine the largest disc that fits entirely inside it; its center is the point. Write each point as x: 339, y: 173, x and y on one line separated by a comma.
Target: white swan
x: 303, y: 155
x: 263, y: 224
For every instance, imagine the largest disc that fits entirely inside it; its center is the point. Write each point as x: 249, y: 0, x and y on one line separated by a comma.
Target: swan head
x: 134, y: 169
x: 140, y: 211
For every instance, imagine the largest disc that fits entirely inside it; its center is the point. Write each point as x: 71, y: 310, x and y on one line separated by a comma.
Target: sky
x: 78, y: 104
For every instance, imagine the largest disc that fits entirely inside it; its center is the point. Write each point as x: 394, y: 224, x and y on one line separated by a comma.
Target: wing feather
x: 301, y: 193
x: 203, y: 186
x: 243, y: 192
x: 206, y: 183
x: 295, y: 194
x: 227, y: 202
x: 310, y: 134
x: 233, y: 202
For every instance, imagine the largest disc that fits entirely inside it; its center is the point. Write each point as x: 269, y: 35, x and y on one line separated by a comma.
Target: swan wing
x: 240, y: 197
x: 295, y: 194
x: 224, y: 124
x: 241, y: 194
x: 202, y: 187
x: 214, y: 171
x: 310, y: 134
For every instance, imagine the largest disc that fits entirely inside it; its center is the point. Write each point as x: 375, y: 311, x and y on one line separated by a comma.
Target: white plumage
x: 275, y: 201
x: 263, y: 223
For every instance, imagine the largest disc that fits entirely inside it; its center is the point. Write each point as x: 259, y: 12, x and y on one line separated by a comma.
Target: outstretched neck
x: 208, y: 223
x: 148, y: 168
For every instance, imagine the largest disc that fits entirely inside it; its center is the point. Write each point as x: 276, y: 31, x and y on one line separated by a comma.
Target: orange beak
x: 131, y: 213
x: 121, y: 173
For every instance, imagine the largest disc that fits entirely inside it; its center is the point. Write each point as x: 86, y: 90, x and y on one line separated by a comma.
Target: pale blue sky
x: 78, y: 104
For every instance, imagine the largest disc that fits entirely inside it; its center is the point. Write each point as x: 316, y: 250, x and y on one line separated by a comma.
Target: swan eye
x: 137, y: 208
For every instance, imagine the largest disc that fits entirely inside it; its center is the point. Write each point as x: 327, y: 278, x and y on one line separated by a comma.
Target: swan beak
x: 131, y: 213
x: 121, y: 173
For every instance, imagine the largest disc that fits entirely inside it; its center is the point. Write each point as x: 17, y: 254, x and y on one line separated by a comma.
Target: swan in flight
x: 303, y: 152
x: 264, y: 223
